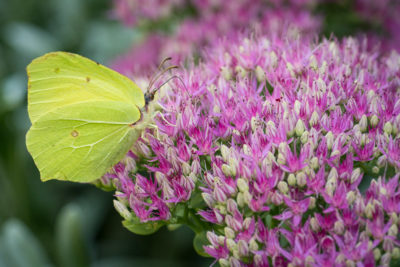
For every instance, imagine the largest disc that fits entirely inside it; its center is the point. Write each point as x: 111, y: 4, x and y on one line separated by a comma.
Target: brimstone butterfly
x: 83, y: 116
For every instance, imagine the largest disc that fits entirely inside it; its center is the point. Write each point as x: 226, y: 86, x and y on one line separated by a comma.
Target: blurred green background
x: 60, y: 223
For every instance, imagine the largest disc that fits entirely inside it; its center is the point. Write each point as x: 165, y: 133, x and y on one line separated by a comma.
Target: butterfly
x: 84, y: 116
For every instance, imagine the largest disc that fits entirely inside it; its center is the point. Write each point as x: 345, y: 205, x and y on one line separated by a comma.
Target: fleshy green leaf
x: 72, y: 248
x: 148, y: 228
x: 199, y: 241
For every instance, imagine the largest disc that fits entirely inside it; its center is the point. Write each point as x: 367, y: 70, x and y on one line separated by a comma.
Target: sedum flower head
x: 230, y: 150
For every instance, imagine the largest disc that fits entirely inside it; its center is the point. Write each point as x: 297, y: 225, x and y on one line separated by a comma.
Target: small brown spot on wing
x: 87, y: 79
x: 74, y: 133
x: 57, y: 70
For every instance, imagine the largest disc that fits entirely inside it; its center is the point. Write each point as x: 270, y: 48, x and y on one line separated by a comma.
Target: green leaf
x: 199, y: 241
x: 147, y: 228
x: 19, y: 247
x: 72, y: 248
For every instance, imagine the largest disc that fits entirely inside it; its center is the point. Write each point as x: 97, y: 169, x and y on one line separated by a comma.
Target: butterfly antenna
x: 159, y: 68
x: 150, y: 93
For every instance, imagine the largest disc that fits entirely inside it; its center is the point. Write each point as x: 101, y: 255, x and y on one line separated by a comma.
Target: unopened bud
x: 226, y: 73
x: 273, y: 59
x: 243, y: 248
x: 291, y: 179
x: 247, y: 197
x: 377, y: 253
x: 283, y: 187
x: 351, y: 197
x: 393, y: 230
x: 355, y: 175
x: 369, y: 210
x: 387, y: 128
x: 223, y: 262
x: 363, y: 123
x: 253, y: 246
x: 241, y: 71
x: 226, y: 169
x: 186, y: 168
x: 240, y: 199
x: 242, y: 185
x: 281, y: 159
x: 314, y: 224
x: 260, y: 74
x: 329, y: 139
x: 247, y: 150
x: 314, y: 119
x: 375, y: 169
x: 312, y: 203
x: 122, y: 210
x: 301, y: 179
x: 374, y: 120
x: 304, y: 137
x: 229, y: 233
x: 338, y: 227
x: 396, y: 253
x: 299, y: 127
x: 231, y: 244
x: 225, y: 152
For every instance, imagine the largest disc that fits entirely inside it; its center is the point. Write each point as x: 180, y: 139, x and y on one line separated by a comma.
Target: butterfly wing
x: 82, y: 116
x: 61, y: 78
x: 80, y: 142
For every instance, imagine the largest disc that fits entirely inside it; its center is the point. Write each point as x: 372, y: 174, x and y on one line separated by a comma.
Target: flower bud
x: 363, y: 123
x: 369, y: 210
x: 283, y: 187
x: 394, y: 217
x: 351, y: 197
x: 231, y: 206
x: 291, y: 179
x: 312, y: 203
x: 377, y: 253
x: 225, y: 152
x: 247, y: 150
x: 355, y: 175
x: 186, y: 168
x: 300, y: 128
x: 393, y: 230
x: 273, y: 59
x: 247, y: 197
x: 122, y: 210
x: 375, y: 169
x: 253, y: 246
x: 260, y: 74
x: 385, y: 259
x: 226, y: 73
x: 396, y: 253
x: 208, y: 199
x: 231, y: 244
x: 314, y: 163
x: 314, y: 119
x: 338, y: 227
x: 229, y: 233
x: 304, y: 137
x: 223, y: 263
x: 313, y: 62
x: 240, y: 199
x: 242, y: 184
x: 243, y: 248
x: 241, y: 71
x: 226, y: 169
x: 374, y: 120
x: 329, y: 139
x: 233, y: 261
x: 387, y: 128
x: 301, y: 179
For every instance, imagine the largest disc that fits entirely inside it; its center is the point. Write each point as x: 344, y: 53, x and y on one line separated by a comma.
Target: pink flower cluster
x: 293, y: 148
x: 213, y: 19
